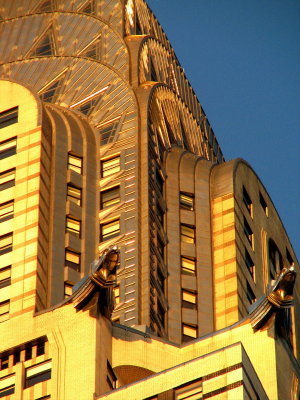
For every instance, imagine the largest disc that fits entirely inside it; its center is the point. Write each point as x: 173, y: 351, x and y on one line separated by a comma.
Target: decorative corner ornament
x: 99, y: 283
x: 278, y: 301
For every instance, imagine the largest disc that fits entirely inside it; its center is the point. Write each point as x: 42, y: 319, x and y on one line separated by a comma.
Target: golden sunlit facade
x: 135, y: 263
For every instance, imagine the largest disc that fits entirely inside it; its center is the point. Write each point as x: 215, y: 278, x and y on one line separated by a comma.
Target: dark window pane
x: 17, y: 356
x: 110, y: 197
x: 8, y: 117
x: 247, y: 200
x: 43, y: 376
x: 40, y: 349
x: 4, y: 362
x: 250, y: 295
x: 6, y: 391
x: 263, y: 203
x: 28, y: 353
x: 7, y: 179
x: 248, y: 232
x: 249, y: 264
x: 6, y: 243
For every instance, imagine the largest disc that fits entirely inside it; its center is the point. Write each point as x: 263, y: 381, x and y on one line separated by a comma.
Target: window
x: 28, y: 353
x: 263, y: 203
x: 189, y: 332
x: 186, y: 201
x: 33, y: 349
x: 6, y: 243
x: 7, y: 385
x: 250, y: 295
x: 72, y: 260
x: 161, y: 314
x: 275, y: 259
x: 189, y: 299
x: 160, y: 213
x: 161, y: 148
x: 187, y: 233
x: 248, y: 232
x: 107, y: 132
x: 247, y: 201
x: 87, y: 107
x: 188, y: 265
x: 4, y: 362
x: 73, y: 226
x: 68, y: 289
x: 110, y: 166
x: 48, y: 397
x: 4, y: 310
x: 160, y: 182
x: 109, y: 230
x: 6, y: 211
x: 161, y: 247
x: 191, y: 391
x: 5, y: 279
x: 40, y: 349
x: 46, y: 46
x: 74, y: 194
x: 8, y: 117
x: 250, y: 264
x: 38, y: 373
x: 160, y: 280
x: 109, y: 197
x: 117, y: 294
x: 75, y: 163
x: 111, y: 377
x: 8, y: 148
x: 7, y: 179
x: 17, y: 357
x: 49, y: 92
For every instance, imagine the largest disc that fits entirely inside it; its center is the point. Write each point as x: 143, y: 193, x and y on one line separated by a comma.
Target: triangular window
x: 45, y: 46
x: 49, y: 93
x: 108, y: 130
x: 93, y: 50
x: 87, y: 104
x: 44, y: 6
x: 88, y: 7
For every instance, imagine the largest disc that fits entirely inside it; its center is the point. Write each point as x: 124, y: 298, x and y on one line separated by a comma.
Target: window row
x: 108, y: 167
x: 33, y: 375
x: 25, y: 352
x: 108, y: 198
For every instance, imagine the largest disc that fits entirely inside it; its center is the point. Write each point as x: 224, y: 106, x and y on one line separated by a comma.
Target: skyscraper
x: 104, y: 145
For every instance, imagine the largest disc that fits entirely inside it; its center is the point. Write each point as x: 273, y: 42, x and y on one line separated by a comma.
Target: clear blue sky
x: 243, y: 61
